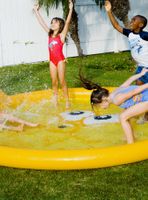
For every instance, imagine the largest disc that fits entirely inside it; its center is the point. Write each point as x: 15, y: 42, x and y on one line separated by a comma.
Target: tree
x: 120, y: 8
x: 74, y: 21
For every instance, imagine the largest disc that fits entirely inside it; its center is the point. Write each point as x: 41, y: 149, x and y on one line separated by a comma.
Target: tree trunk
x: 74, y: 32
x: 73, y: 29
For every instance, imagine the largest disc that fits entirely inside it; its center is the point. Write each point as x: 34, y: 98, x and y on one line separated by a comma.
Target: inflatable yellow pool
x: 66, y: 142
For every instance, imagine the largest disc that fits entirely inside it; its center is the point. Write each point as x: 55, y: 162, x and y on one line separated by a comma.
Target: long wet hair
x: 61, y: 27
x: 98, y: 92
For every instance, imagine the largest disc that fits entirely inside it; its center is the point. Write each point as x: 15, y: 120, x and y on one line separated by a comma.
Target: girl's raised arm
x: 67, y: 22
x: 39, y: 18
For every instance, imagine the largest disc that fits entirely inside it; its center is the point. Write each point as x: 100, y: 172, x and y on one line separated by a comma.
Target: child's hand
x: 36, y: 7
x: 144, y: 71
x: 70, y: 4
x: 108, y: 6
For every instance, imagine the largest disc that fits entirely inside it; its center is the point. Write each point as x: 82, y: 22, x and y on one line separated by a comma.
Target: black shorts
x: 144, y: 78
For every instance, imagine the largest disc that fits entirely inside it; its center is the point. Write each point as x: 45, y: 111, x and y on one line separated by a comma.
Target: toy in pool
x: 89, y: 118
x: 75, y: 115
x: 101, y: 119
x: 68, y: 159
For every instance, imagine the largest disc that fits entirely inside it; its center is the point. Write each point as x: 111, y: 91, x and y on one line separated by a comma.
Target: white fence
x: 22, y: 40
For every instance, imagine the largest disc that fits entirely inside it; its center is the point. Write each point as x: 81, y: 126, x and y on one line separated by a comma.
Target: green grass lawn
x: 106, y: 69
x: 127, y: 182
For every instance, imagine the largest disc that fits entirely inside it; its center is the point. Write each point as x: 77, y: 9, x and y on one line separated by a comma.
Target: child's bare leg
x: 61, y: 74
x: 30, y: 124
x: 54, y: 79
x: 11, y: 118
x: 145, y: 118
x: 127, y: 115
x: 13, y: 128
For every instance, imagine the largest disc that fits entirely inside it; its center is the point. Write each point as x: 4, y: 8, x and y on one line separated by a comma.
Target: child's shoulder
x: 126, y: 31
x: 144, y: 35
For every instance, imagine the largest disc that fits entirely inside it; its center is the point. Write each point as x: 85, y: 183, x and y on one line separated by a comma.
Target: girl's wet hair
x: 98, y: 92
x: 61, y: 25
x: 143, y: 20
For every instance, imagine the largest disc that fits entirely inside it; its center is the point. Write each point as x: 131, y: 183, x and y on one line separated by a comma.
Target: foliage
x: 54, y: 3
x: 100, y: 2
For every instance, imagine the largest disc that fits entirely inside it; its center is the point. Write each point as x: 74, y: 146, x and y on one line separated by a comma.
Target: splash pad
x: 62, y: 144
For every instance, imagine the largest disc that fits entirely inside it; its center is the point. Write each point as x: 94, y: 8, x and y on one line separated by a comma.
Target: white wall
x: 22, y: 40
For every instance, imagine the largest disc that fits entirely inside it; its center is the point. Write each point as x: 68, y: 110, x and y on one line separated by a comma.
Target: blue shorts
x: 144, y: 78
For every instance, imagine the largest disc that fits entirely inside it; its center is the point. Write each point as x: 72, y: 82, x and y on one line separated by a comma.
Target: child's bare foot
x: 32, y: 124
x: 20, y: 128
x: 54, y: 100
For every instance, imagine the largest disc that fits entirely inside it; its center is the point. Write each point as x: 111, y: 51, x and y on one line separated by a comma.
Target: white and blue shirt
x: 139, y: 46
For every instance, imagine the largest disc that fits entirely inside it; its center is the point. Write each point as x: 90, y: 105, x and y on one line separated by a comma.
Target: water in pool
x: 57, y: 132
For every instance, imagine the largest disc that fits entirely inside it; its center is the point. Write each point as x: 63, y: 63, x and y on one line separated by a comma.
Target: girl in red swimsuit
x: 56, y: 38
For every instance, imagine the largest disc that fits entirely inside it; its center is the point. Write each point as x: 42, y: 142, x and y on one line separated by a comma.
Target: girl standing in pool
x: 56, y: 38
x: 133, y: 98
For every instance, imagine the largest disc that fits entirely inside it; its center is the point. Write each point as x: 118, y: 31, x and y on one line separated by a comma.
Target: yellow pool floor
x: 54, y: 132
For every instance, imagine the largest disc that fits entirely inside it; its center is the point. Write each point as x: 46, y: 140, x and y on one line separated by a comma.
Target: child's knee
x: 63, y: 83
x: 55, y: 82
x: 123, y: 117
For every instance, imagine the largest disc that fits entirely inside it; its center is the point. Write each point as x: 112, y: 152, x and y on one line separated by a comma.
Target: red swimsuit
x: 55, y: 47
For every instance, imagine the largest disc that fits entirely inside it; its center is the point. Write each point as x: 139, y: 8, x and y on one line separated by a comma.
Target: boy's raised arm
x: 114, y: 22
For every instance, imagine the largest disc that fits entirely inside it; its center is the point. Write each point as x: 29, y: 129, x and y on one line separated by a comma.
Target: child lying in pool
x: 4, y: 118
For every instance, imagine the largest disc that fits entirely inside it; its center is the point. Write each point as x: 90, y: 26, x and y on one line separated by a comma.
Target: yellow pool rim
x: 72, y: 159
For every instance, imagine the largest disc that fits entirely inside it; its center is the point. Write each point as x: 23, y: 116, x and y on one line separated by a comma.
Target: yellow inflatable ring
x: 73, y: 159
